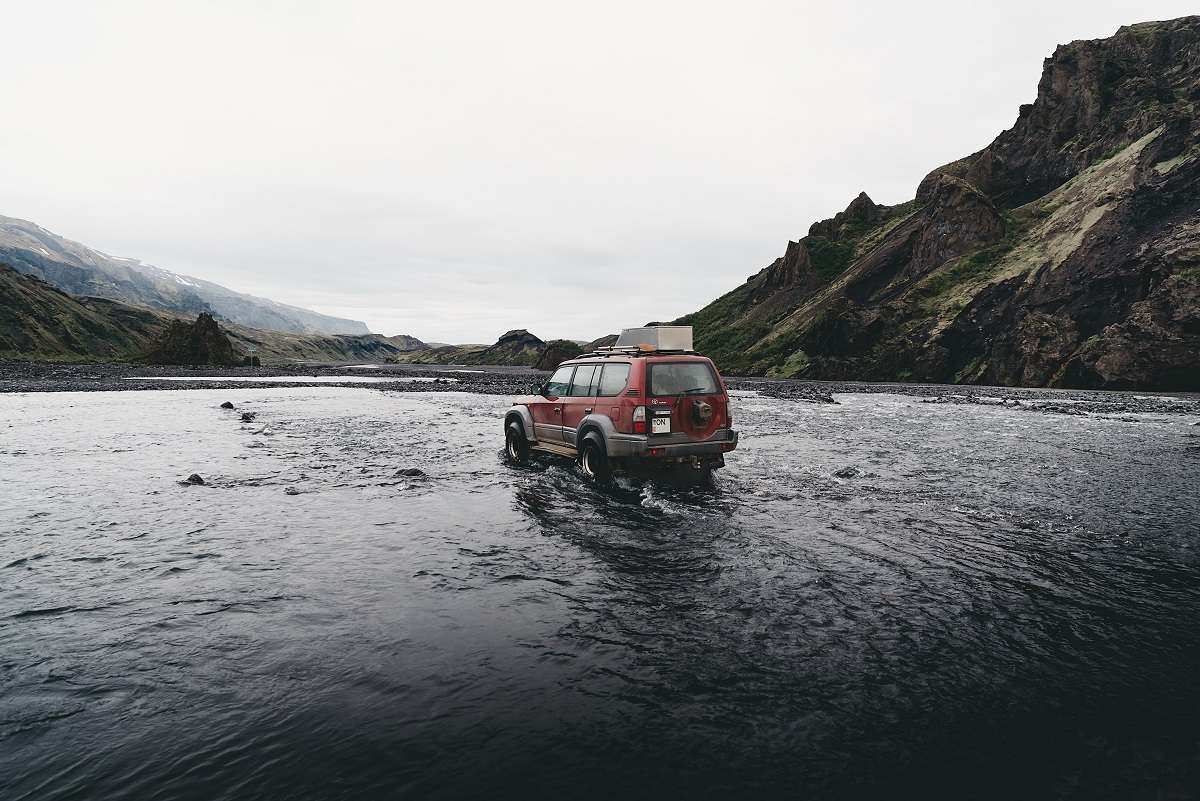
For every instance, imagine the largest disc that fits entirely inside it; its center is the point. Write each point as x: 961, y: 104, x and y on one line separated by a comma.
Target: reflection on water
x: 294, y: 379
x: 878, y: 599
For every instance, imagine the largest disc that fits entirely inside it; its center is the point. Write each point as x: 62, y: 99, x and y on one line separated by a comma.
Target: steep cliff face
x: 1066, y: 253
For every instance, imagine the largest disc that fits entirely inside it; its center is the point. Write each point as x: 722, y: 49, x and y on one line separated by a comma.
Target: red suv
x: 627, y: 406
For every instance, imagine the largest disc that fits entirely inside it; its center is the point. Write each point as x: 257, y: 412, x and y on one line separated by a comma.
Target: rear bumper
x: 638, y: 445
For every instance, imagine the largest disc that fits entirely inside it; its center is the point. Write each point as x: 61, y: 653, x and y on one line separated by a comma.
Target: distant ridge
x: 516, y: 348
x: 81, y: 270
x: 39, y: 322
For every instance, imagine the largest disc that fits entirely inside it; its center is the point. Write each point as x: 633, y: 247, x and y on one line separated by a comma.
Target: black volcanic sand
x: 57, y: 377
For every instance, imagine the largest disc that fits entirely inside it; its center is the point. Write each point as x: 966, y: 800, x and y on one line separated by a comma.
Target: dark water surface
x: 882, y: 598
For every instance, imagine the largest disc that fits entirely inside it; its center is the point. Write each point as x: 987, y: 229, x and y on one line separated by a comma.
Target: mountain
x: 516, y: 348
x: 1065, y: 253
x: 406, y: 342
x: 282, y: 347
x: 40, y: 321
x: 83, y: 271
x: 606, y: 341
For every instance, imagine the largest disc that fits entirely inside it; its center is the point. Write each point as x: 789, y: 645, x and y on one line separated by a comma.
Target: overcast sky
x: 456, y: 169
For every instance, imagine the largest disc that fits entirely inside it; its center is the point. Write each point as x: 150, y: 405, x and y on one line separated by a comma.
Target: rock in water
x: 227, y: 405
x: 248, y: 417
x: 411, y: 472
x: 194, y: 478
x: 202, y: 342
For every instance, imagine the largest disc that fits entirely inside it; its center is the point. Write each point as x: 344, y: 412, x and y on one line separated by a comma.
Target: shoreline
x: 21, y: 377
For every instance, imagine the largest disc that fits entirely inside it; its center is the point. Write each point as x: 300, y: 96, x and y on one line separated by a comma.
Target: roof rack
x: 648, y: 340
x: 634, y: 350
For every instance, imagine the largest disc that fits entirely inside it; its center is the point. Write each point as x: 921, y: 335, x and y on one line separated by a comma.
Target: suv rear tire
x: 516, y: 447
x: 593, y: 461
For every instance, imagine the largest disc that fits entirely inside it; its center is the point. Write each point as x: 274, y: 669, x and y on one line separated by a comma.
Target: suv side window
x: 585, y: 380
x: 613, y: 379
x: 560, y: 382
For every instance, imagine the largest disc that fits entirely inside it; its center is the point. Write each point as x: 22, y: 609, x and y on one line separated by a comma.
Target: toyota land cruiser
x: 647, y: 401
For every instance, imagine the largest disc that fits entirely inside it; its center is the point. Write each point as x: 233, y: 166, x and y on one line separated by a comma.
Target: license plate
x: 660, y: 425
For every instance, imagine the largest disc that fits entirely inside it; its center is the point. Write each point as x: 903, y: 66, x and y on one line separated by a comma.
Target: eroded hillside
x: 1066, y: 253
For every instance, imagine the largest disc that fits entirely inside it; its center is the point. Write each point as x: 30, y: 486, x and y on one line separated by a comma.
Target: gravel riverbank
x: 56, y: 377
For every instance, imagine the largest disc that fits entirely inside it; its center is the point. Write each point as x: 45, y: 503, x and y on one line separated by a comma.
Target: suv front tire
x: 516, y: 447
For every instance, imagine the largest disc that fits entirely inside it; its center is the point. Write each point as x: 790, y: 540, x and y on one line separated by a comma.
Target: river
x: 879, y: 598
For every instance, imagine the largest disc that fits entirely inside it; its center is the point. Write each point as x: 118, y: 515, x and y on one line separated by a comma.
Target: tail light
x: 639, y: 420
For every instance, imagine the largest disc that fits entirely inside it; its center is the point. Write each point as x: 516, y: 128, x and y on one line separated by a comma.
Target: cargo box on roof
x: 658, y: 337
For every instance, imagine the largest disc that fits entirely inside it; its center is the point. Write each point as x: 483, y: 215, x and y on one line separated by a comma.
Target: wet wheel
x: 593, y: 462
x: 516, y: 447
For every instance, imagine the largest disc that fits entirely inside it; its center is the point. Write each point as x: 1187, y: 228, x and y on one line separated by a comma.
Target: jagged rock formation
x: 201, y: 342
x: 1066, y: 253
x: 80, y: 270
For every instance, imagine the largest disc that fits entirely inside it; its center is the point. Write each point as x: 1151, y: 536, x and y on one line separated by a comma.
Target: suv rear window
x: 682, y: 378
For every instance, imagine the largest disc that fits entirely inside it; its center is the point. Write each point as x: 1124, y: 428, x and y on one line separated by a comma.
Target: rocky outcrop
x: 1063, y: 254
x: 556, y: 352
x: 513, y: 347
x: 790, y: 271
x: 860, y: 214
x: 201, y: 342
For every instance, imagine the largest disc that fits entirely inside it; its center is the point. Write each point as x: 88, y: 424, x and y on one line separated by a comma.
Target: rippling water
x: 882, y: 598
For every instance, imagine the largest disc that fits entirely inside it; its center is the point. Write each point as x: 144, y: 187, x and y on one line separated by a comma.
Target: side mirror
x: 541, y: 390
